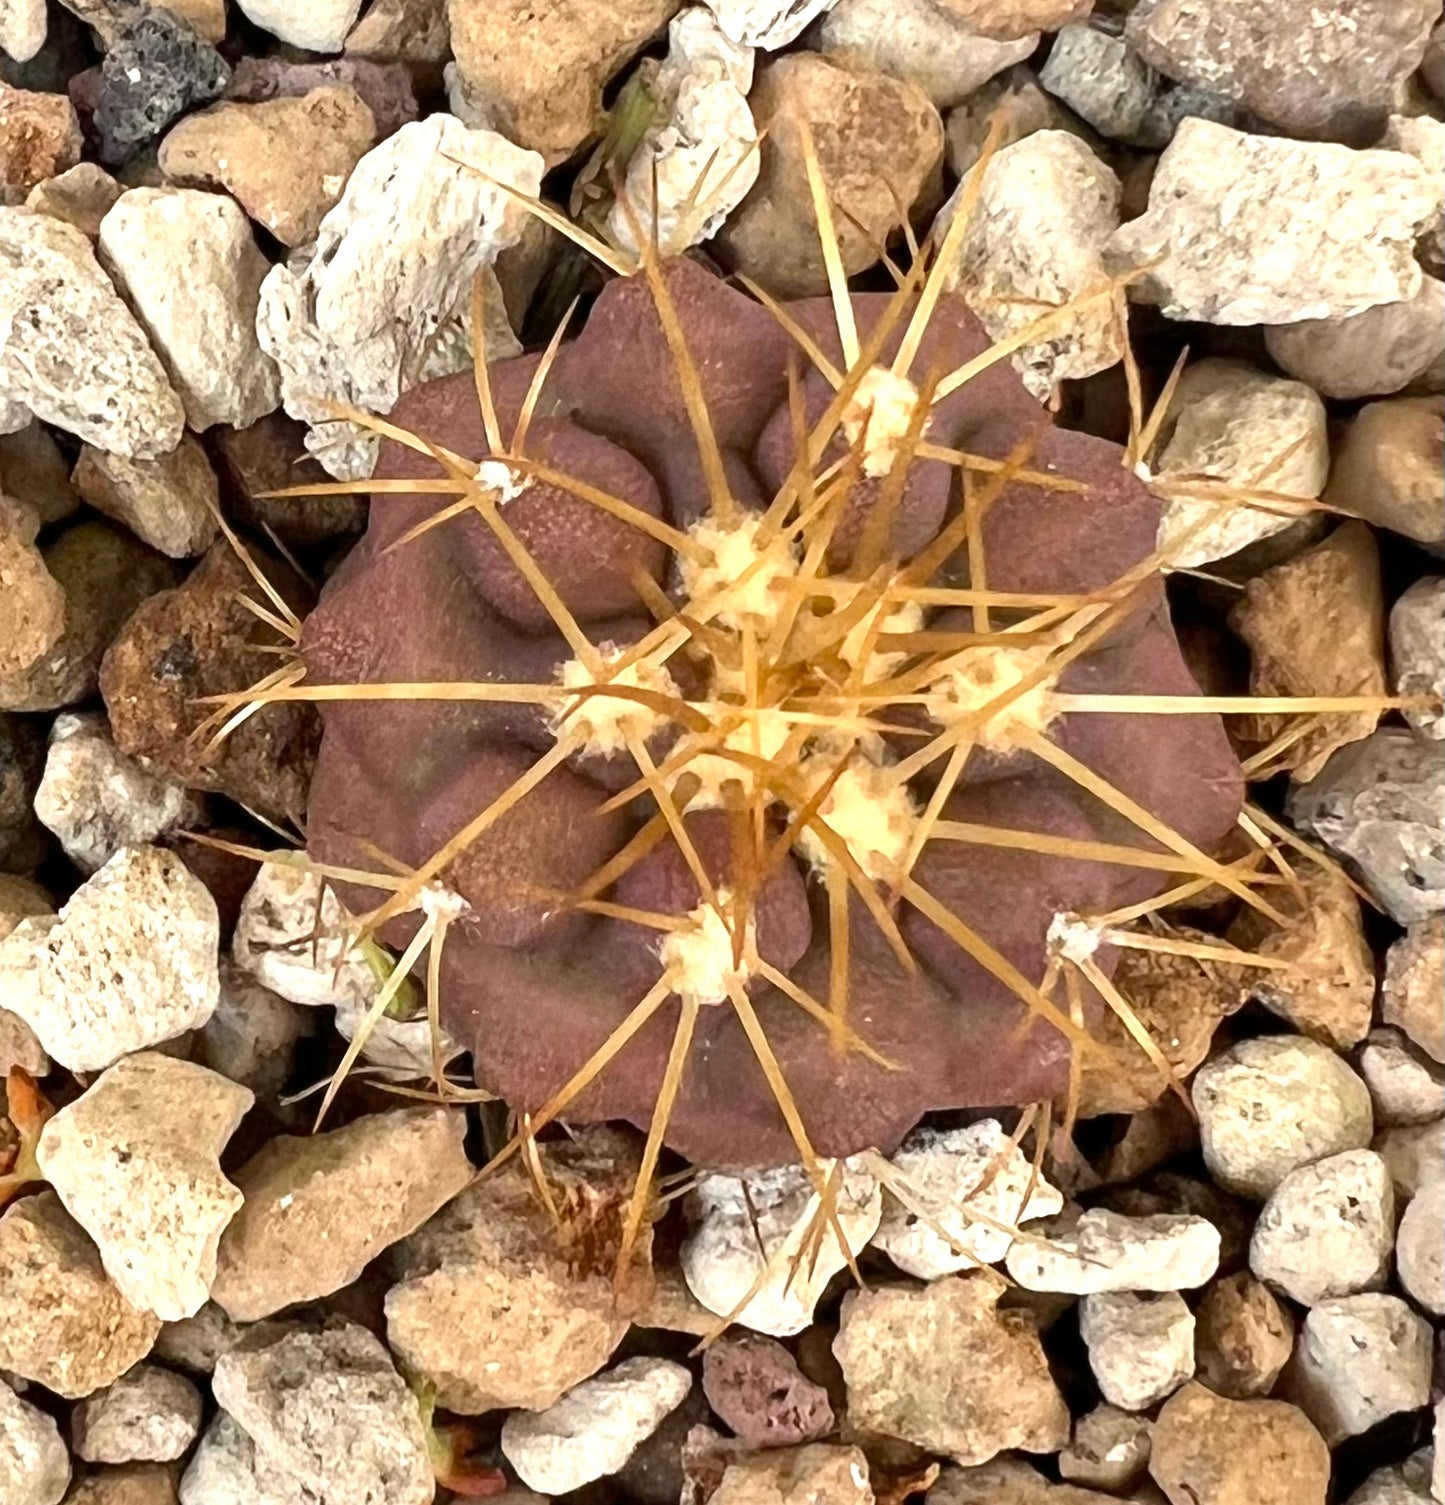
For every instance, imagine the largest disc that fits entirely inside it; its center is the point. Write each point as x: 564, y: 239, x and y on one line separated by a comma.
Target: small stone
x: 136, y: 1160
x: 1020, y: 107
x: 1414, y: 1155
x: 329, y: 1408
x: 1006, y: 20
x: 197, y: 1342
x: 1415, y: 983
x: 376, y: 305
x: 96, y: 800
x: 1244, y: 1337
x: 879, y: 145
x: 1327, y: 1229
x: 1270, y: 1105
x: 1232, y: 428
x: 34, y: 1463
x: 1417, y: 651
x: 33, y: 471
x: 1406, y: 1483
x: 385, y: 88
x: 1405, y: 1086
x: 130, y: 1484
x: 1376, y: 803
x: 973, y: 1185
x: 63, y: 1322
x: 1102, y: 78
x: 406, y: 31
x: 1248, y: 229
x: 492, y: 1306
x: 1141, y: 1348
x: 252, y: 1036
x: 149, y: 1415
x: 39, y: 137
x: 1369, y: 354
x: 1313, y: 72
x: 189, y: 266
x: 1360, y: 1360
x: 755, y: 1386
x: 798, y: 1476
x: 1011, y: 1481
x: 320, y: 1208
x: 156, y: 68
x: 921, y: 43
x: 744, y: 1257
x: 286, y: 161
x: 1033, y: 244
x: 942, y: 1367
x: 32, y: 614
x: 228, y: 1469
x: 171, y: 503
x: 1106, y: 1251
x: 1423, y: 138
x: 1387, y: 468
x: 73, y: 353
x: 1420, y: 1247
x: 22, y: 28
x: 593, y: 1430
x: 81, y: 196
x: 1110, y: 1450
x: 320, y: 26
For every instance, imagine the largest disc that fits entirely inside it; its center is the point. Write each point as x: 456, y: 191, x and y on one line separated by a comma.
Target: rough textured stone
x: 136, y: 1160
x: 72, y: 352
x: 320, y: 1208
x: 1244, y: 1337
x: 1406, y: 1483
x: 286, y: 161
x: 1106, y: 1251
x: 81, y: 196
x: 1376, y: 803
x: 1420, y: 1246
x: 130, y: 961
x: 1387, y: 468
x: 407, y: 31
x: 767, y: 23
x: 328, y: 1408
x: 1110, y: 1450
x: 32, y: 613
x: 1141, y: 1348
x: 63, y: 1322
x: 593, y: 1430
x: 1270, y: 1105
x: 755, y: 1386
x: 187, y: 263
x: 228, y: 1469
x: 1007, y: 19
x: 34, y: 1463
x: 39, y: 137
x: 149, y: 1415
x: 1020, y: 106
x: 941, y: 1367
x: 1423, y: 137
x: 1210, y: 1451
x: 1311, y: 231
x: 1009, y: 1481
x: 1414, y: 1155
x: 386, y: 88
x: 22, y: 28
x: 252, y: 1036
x: 33, y: 470
x: 1405, y: 1086
x: 799, y: 1476
x: 879, y: 144
x: 171, y: 503
x: 1100, y: 76
x: 1417, y: 651
x: 1327, y: 1229
x: 195, y: 1343
x: 130, y: 1484
x: 320, y: 26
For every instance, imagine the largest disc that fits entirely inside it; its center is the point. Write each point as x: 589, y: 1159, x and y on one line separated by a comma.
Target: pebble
x: 385, y: 88
x: 921, y: 43
x: 329, y: 1409
x: 1020, y: 106
x: 1244, y: 1337
x: 1406, y: 1483
x: 73, y: 352
x: 18, y: 1044
x: 1376, y: 804
x: 252, y: 1036
x: 1423, y: 137
x: 492, y: 1306
x: 797, y: 1476
x: 357, y: 319
x: 22, y: 28
x: 96, y: 800
x: 156, y: 68
x: 1417, y: 651
x: 1141, y: 1348
x: 1420, y: 1247
x: 754, y: 1386
x: 1248, y: 229
x: 187, y: 263
x: 593, y: 1430
x: 1109, y: 1451
x: 1033, y: 243
x: 285, y: 161
x: 1100, y: 76
x: 1207, y: 1450
x: 1360, y: 1360
x: 1313, y: 71
x: 1373, y: 353
x: 743, y: 1257
x: 195, y: 1343
x: 1108, y: 1252
x: 1387, y: 468
x: 1005, y: 20
x: 1315, y: 625
x: 320, y: 1208
x: 1236, y: 427
x: 318, y: 26
x: 34, y: 1463
x: 32, y: 613
x: 63, y: 1322
x: 133, y: 1484
x: 171, y: 503
x: 34, y: 471
x: 972, y: 1185
x: 1414, y: 1155
x: 227, y: 1469
x: 136, y: 1160
x: 1270, y: 1105
x: 941, y: 1367
x: 769, y: 24
x: 39, y: 137
x: 699, y: 156
x: 879, y: 145
x: 1405, y: 1086
x: 149, y: 1415
x: 414, y: 32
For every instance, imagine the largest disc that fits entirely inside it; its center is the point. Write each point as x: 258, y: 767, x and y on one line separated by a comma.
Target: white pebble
x: 34, y: 1463
x: 1406, y: 1086
x: 1420, y: 1246
x: 315, y: 25
x: 1107, y: 1251
x: 1141, y: 1348
x: 767, y: 23
x: 1417, y: 650
x: 149, y: 1415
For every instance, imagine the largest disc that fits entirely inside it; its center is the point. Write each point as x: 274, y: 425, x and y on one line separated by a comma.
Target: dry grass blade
x: 1134, y: 1026
x: 828, y: 241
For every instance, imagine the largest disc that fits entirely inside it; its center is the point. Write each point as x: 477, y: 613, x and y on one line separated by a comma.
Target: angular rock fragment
x: 1417, y: 651
x: 39, y: 137
x: 1387, y: 468
x: 171, y: 503
x: 1141, y: 1348
x: 34, y: 1463
x: 1244, y: 1337
x: 320, y: 26
x: 1106, y: 1251
x: 148, y: 1415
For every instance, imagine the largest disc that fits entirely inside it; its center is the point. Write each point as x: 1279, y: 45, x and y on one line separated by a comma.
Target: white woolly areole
x: 901, y: 616
x: 1072, y: 937
x: 603, y: 723
x: 874, y: 817
x: 697, y: 959
x: 504, y: 481
x: 760, y: 735
x: 975, y: 677
x: 880, y: 409
x: 727, y: 554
